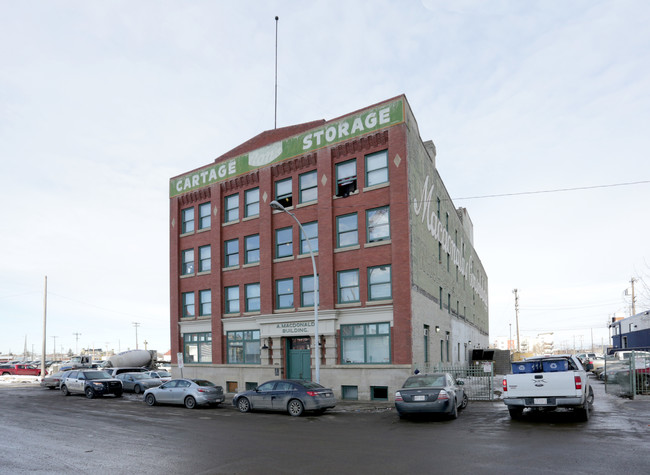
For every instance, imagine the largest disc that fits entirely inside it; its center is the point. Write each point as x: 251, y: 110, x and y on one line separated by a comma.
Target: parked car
x: 431, y: 394
x: 90, y: 382
x: 163, y: 375
x: 138, y: 382
x: 190, y: 392
x: 290, y: 395
x: 53, y: 381
x: 113, y: 372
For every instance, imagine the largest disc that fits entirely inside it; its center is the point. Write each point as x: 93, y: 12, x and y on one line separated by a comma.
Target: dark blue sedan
x: 290, y: 395
x: 430, y: 394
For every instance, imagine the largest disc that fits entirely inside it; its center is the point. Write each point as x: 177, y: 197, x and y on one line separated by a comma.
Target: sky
x: 539, y: 111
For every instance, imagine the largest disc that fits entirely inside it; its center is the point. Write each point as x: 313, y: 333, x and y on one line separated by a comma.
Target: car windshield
x: 164, y: 374
x: 203, y: 382
x: 425, y: 381
x: 96, y: 375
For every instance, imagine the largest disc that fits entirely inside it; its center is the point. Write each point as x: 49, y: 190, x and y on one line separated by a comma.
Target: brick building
x: 400, y: 284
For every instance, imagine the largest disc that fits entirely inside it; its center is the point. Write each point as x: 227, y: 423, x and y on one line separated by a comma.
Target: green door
x: 299, y: 359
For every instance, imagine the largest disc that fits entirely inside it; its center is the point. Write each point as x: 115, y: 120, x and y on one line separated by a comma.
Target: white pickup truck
x: 547, y: 383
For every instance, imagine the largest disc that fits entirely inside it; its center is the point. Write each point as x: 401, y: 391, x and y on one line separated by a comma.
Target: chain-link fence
x: 627, y: 374
x: 477, y: 378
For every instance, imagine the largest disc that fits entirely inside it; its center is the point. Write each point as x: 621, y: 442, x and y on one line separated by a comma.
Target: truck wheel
x: 6, y: 373
x: 64, y: 390
x: 118, y: 393
x: 515, y: 412
x: 89, y: 393
x: 590, y: 397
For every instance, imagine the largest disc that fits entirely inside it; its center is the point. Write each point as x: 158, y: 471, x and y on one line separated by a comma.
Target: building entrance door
x: 299, y: 358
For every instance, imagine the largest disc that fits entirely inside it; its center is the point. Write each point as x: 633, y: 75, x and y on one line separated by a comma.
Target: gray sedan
x: 190, y: 392
x: 292, y: 396
x: 429, y: 394
x: 138, y: 382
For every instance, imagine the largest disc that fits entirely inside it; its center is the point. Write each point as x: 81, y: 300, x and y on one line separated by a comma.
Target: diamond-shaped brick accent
x: 397, y: 160
x: 215, y: 210
x: 324, y: 180
x: 173, y: 222
x: 265, y: 197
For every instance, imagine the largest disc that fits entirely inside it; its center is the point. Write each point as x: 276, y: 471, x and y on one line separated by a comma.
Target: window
x: 252, y: 249
x: 205, y: 261
x: 252, y: 202
x: 187, y: 220
x: 187, y: 266
x: 231, y: 295
x: 308, y: 187
x: 365, y: 344
x: 379, y: 283
x: 311, y: 230
x: 231, y: 251
x: 307, y: 291
x: 348, y: 286
x: 252, y: 297
x: 283, y: 192
x: 347, y: 233
x: 243, y: 347
x: 231, y: 206
x: 197, y: 347
x: 379, y: 393
x: 377, y: 224
x: 377, y: 168
x: 350, y: 393
x: 188, y: 304
x: 440, y: 296
x: 426, y: 343
x: 205, y: 302
x: 284, y: 293
x: 346, y: 178
x: 283, y: 242
x: 448, y: 303
x: 204, y: 216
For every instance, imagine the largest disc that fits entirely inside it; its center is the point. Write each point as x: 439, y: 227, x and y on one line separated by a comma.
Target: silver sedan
x: 138, y: 382
x: 190, y: 392
x: 429, y: 394
x: 290, y: 395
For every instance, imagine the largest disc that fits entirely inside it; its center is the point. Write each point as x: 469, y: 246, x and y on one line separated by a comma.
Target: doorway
x: 299, y: 358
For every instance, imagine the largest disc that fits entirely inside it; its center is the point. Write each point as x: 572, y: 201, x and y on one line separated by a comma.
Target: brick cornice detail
x: 289, y: 166
x: 194, y: 196
x: 241, y: 181
x: 362, y: 143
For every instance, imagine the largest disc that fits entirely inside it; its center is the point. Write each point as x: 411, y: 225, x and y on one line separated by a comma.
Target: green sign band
x: 370, y: 120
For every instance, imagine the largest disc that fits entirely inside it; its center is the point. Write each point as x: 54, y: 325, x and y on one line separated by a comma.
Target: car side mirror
x: 460, y: 383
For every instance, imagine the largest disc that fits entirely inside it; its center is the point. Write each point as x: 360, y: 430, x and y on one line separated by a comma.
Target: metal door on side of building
x: 299, y: 358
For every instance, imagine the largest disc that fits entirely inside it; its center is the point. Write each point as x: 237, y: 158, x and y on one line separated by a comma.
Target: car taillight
x: 201, y: 390
x: 443, y: 395
x: 505, y: 385
x: 312, y: 393
x: 398, y: 396
x: 578, y: 380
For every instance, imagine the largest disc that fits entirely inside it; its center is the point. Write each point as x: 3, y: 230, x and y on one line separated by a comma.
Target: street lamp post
x: 279, y: 207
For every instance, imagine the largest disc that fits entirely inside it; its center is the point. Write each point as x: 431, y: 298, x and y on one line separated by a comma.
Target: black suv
x: 90, y: 382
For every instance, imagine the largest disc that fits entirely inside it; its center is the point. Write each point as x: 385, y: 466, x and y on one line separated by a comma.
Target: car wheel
x: 190, y: 402
x: 295, y: 407
x: 137, y: 389
x: 243, y: 404
x: 89, y: 393
x: 64, y: 390
x: 118, y: 394
x: 463, y: 404
x: 150, y: 399
x: 454, y: 410
x: 515, y: 412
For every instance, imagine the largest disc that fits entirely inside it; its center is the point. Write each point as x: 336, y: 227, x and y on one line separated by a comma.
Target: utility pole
x: 136, y: 325
x: 275, y: 123
x: 76, y: 348
x: 515, y: 291
x: 44, y: 342
x: 632, y: 281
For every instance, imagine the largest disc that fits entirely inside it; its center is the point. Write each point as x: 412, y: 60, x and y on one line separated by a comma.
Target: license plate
x: 419, y: 398
x: 539, y: 400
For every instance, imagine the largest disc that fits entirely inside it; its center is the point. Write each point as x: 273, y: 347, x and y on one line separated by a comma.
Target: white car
x: 164, y: 376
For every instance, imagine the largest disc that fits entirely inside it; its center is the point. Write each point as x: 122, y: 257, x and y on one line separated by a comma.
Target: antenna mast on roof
x: 275, y: 124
